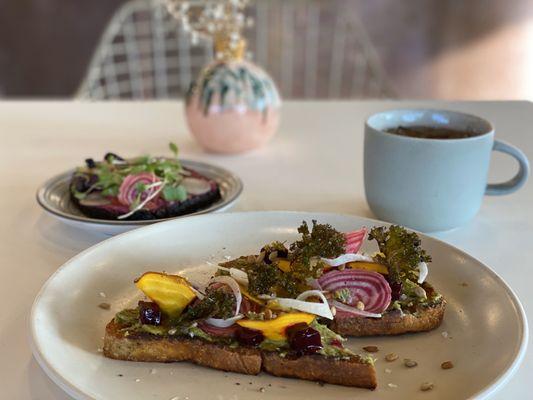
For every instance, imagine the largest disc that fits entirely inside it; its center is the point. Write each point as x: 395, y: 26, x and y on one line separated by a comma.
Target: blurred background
x: 444, y: 49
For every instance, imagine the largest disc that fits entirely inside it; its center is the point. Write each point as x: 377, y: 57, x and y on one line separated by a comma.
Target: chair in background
x: 310, y: 49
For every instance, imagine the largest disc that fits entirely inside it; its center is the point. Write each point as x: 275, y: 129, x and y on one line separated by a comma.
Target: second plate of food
x: 116, y: 195
x: 478, y: 346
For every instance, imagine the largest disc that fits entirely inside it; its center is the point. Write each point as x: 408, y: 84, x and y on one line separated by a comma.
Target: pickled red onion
x: 367, y: 287
x: 215, y: 330
x: 354, y: 240
x: 128, y: 193
x: 234, y: 286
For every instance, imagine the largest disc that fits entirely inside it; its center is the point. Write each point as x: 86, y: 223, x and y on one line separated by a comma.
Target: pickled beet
x: 396, y: 290
x: 303, y: 339
x: 90, y: 163
x: 249, y: 337
x: 149, y: 313
x: 112, y: 156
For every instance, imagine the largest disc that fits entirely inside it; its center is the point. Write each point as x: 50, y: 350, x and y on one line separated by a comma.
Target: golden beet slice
x: 368, y: 266
x: 274, y: 329
x: 172, y: 293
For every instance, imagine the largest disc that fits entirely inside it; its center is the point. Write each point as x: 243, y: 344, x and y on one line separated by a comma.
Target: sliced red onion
x: 354, y: 240
x: 343, y: 308
x: 223, y: 323
x: 196, y: 186
x: 367, y: 287
x: 158, y: 186
x: 321, y: 309
x: 422, y: 271
x: 127, y: 192
x: 234, y: 286
x: 217, y: 331
x: 346, y: 258
x: 313, y: 283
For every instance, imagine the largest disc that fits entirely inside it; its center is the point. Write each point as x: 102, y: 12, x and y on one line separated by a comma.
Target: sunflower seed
x: 447, y: 365
x: 409, y: 363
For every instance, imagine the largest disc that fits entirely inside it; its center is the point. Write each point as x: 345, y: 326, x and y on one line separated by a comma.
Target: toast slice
x: 143, y: 346
x: 395, y: 322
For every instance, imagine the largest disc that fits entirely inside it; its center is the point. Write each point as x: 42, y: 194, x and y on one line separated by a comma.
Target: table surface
x: 313, y: 164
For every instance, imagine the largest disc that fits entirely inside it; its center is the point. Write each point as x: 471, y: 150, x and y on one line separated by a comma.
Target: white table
x: 314, y: 164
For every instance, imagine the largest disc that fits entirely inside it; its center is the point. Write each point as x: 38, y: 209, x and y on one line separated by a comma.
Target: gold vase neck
x: 225, y: 51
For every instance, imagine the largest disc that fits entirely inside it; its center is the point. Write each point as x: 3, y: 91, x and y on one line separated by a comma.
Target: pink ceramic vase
x: 233, y: 107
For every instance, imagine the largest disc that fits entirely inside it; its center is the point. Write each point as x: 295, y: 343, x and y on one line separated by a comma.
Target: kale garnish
x: 266, y: 278
x: 399, y: 250
x: 216, y: 304
x: 322, y: 241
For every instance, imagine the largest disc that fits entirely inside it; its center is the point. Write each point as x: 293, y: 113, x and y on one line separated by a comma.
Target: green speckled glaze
x: 228, y: 85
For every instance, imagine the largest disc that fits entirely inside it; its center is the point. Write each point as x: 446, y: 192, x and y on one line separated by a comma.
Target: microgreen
x: 107, y: 176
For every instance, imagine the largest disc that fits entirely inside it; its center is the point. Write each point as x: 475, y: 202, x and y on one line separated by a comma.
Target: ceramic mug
x: 432, y: 184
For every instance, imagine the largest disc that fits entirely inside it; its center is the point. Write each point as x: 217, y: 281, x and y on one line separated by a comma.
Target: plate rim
x: 39, y: 195
x: 72, y: 390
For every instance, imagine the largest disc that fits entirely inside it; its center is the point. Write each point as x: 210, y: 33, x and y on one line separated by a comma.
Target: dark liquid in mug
x: 426, y: 132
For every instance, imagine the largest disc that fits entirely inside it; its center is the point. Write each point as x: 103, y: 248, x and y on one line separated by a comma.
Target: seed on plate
x: 104, y: 306
x: 392, y: 385
x: 137, y: 380
x: 262, y: 389
x: 102, y: 294
x: 426, y: 386
x: 409, y: 363
x: 391, y: 357
x: 444, y: 334
x: 388, y: 370
x: 371, y: 349
x: 447, y: 365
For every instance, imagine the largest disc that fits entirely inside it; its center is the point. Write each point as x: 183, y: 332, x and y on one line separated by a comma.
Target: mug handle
x: 516, y: 182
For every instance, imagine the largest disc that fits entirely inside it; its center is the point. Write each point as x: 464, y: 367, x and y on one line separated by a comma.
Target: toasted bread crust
x: 245, y: 360
x: 321, y: 369
x: 151, y: 348
x: 393, y: 322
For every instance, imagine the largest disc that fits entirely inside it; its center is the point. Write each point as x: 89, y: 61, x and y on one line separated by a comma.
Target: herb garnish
x: 322, y: 241
x: 106, y: 176
x: 217, y: 303
x: 400, y: 251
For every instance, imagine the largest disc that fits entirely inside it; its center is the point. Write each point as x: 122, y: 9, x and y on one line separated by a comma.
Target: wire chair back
x: 310, y: 49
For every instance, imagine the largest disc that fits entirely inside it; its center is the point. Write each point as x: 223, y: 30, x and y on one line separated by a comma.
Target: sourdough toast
x: 394, y: 322
x: 122, y: 344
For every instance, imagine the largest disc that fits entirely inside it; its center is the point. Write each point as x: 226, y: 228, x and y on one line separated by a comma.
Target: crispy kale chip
x: 400, y: 251
x: 322, y: 241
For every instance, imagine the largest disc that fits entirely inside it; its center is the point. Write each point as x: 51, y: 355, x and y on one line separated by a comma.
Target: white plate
x: 485, y: 323
x: 54, y: 197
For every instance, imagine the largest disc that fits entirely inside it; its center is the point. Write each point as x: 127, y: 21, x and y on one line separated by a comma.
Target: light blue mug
x: 432, y: 184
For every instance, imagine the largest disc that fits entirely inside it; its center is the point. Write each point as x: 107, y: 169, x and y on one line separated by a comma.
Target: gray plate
x: 54, y: 197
